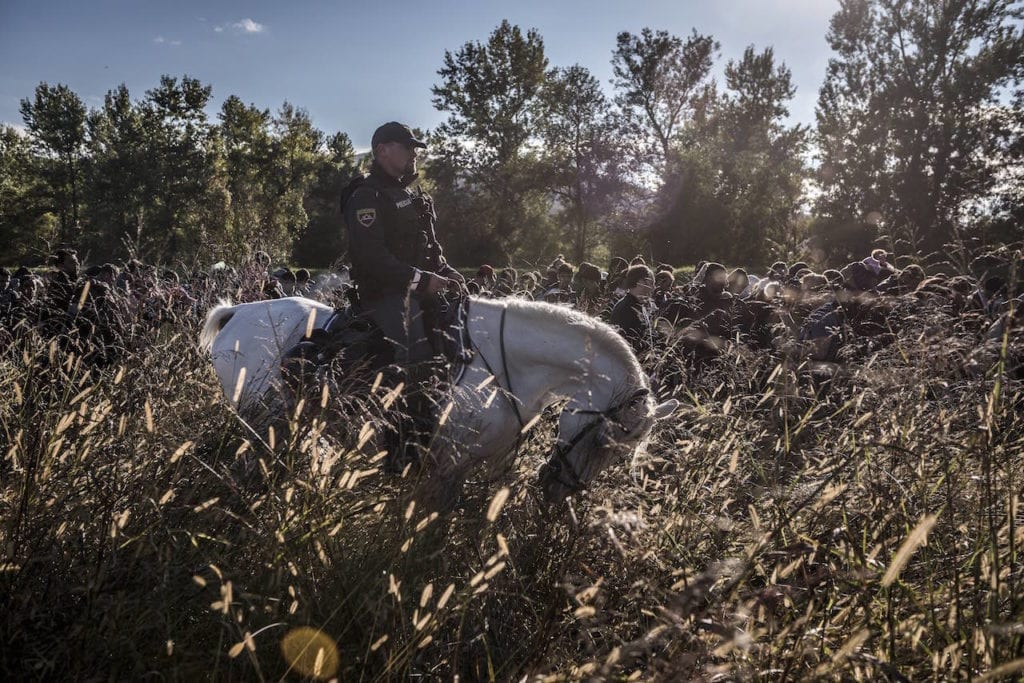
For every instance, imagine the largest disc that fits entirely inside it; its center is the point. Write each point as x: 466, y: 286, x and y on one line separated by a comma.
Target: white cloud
x: 249, y: 26
x: 160, y: 40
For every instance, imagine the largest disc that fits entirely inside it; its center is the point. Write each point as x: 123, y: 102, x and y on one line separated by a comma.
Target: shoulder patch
x: 366, y: 217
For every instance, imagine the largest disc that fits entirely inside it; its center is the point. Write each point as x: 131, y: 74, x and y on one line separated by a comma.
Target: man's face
x: 397, y: 159
x: 717, y: 280
x: 643, y: 288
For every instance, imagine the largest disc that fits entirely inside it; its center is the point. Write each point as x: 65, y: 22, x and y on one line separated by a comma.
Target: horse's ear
x: 663, y: 410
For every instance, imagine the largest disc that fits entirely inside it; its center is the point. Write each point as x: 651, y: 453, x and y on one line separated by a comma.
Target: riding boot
x: 401, y: 443
x: 415, y: 417
x: 397, y: 428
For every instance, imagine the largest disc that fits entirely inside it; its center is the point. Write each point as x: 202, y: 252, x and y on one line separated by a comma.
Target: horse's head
x: 590, y: 440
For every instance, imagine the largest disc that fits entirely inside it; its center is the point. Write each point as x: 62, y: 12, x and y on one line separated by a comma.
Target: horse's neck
x: 549, y: 360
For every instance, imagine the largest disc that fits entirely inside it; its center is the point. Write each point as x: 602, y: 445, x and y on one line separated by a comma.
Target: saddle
x: 350, y: 338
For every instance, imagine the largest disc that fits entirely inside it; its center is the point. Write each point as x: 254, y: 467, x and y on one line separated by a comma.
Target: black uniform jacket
x: 391, y: 235
x: 630, y: 316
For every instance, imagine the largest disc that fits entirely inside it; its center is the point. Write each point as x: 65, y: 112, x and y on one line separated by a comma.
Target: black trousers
x: 401, y: 318
x: 405, y: 325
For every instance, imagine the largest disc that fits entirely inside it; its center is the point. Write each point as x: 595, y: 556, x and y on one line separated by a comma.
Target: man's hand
x: 457, y: 287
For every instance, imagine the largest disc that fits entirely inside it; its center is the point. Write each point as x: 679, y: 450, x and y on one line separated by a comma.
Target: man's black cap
x: 393, y: 131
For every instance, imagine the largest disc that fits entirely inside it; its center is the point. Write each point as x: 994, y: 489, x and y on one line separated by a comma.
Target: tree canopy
x: 917, y: 146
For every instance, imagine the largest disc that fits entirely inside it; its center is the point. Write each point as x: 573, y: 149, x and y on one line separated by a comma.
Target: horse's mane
x: 603, y: 335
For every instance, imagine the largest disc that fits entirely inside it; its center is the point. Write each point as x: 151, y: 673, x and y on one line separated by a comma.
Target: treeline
x: 917, y: 145
x: 156, y: 179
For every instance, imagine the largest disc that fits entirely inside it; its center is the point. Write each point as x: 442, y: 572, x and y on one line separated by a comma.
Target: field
x: 771, y: 532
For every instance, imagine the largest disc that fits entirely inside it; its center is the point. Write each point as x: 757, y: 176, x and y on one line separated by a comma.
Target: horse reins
x: 508, y: 377
x: 509, y: 394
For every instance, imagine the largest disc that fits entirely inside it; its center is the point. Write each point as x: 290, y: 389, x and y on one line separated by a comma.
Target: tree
x: 55, y: 120
x: 491, y: 92
x: 245, y: 133
x: 324, y: 239
x: 120, y: 177
x: 762, y: 158
x: 272, y: 163
x: 660, y: 80
x: 155, y: 178
x: 738, y: 184
x: 295, y: 155
x: 912, y: 130
x: 582, y: 161
x: 24, y: 216
x: 190, y: 198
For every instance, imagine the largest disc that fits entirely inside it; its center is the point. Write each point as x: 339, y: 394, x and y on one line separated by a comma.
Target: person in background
x: 483, y: 282
x: 562, y: 292
x: 664, y: 281
x: 630, y: 314
x: 508, y: 282
x: 588, y: 279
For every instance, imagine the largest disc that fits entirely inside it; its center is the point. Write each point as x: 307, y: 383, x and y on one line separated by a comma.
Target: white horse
x: 532, y: 354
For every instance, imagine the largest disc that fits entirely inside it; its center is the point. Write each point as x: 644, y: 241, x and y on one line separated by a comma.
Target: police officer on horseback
x: 400, y: 274
x: 397, y: 264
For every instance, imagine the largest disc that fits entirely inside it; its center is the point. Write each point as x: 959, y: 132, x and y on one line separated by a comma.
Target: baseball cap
x: 393, y: 131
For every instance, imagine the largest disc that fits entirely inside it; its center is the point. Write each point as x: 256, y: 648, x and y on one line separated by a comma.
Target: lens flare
x: 311, y: 652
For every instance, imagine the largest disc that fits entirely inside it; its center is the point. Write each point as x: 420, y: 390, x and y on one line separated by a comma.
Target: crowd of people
x: 790, y: 308
x: 104, y: 309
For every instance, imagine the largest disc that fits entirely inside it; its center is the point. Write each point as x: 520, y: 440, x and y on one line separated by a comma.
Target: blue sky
x: 353, y: 65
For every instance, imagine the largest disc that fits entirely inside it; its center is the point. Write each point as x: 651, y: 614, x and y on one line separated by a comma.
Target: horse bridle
x: 560, y: 459
x: 561, y: 455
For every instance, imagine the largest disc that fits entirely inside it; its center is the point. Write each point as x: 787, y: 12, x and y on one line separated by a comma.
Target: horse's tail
x: 216, y: 319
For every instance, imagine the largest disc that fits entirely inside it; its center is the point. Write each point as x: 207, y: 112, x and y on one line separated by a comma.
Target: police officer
x: 397, y: 263
x: 400, y: 273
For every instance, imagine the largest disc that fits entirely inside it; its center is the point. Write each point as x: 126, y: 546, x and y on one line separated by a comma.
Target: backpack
x: 350, y: 189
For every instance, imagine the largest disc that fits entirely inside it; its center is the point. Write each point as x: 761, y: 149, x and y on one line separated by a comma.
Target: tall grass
x: 774, y: 531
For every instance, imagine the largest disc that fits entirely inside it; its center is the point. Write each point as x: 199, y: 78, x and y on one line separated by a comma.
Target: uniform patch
x: 404, y: 203
x: 366, y: 217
